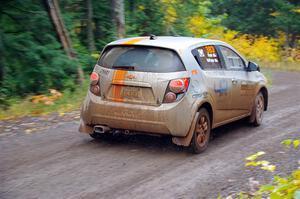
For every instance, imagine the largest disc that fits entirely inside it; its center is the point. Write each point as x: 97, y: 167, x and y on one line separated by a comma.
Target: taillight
x: 94, y: 83
x: 176, y: 90
x: 170, y: 97
x: 94, y: 78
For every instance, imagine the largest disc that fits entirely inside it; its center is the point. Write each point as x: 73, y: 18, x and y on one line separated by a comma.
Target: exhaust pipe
x: 101, y: 129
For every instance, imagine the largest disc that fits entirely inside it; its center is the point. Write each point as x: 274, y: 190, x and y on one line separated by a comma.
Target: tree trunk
x: 89, y: 28
x: 54, y: 13
x: 119, y: 17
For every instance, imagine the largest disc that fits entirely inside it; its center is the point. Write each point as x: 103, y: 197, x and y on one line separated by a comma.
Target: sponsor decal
x: 210, y: 49
x: 118, y: 78
x: 201, y: 52
x: 221, y: 87
x: 104, y: 72
x: 211, y: 60
x: 130, y: 76
x: 195, y: 72
x: 133, y: 41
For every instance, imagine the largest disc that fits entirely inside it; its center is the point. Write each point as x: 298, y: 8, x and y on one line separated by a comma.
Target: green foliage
x: 104, y: 28
x: 282, y: 188
x: 246, y: 16
x: 144, y: 17
x: 287, y: 19
x: 32, y: 58
x: 261, y: 17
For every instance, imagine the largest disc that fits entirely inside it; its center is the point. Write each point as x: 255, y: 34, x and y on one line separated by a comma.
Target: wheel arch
x: 265, y: 93
x: 209, y: 109
x: 185, y: 141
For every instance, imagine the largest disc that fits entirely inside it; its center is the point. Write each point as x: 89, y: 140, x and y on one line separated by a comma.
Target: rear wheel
x: 201, y: 133
x: 258, y: 109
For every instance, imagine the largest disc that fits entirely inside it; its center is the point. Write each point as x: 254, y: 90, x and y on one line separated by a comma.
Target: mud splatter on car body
x: 159, y: 85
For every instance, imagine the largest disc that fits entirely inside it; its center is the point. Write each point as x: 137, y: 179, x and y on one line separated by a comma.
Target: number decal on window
x: 207, y: 57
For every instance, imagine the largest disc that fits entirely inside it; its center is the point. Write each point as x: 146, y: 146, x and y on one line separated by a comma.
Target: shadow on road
x: 219, y: 136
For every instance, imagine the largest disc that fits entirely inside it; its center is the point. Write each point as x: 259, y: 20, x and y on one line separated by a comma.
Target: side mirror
x: 252, y: 67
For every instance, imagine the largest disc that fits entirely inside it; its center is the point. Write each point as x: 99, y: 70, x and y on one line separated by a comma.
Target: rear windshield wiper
x: 123, y: 67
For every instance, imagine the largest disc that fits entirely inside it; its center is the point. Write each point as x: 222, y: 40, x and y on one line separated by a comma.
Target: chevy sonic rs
x: 178, y: 86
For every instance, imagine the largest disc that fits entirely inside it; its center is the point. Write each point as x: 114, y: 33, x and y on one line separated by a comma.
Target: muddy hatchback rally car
x: 177, y: 86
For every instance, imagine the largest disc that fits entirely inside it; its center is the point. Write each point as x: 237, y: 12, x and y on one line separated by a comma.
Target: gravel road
x: 55, y: 161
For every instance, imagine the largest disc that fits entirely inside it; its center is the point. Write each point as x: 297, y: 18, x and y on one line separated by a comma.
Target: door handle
x: 234, y: 81
x: 244, y: 83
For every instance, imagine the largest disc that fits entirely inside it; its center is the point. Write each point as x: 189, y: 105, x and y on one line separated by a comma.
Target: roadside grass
x: 282, y: 66
x: 70, y: 101
x: 268, y: 68
x: 268, y: 74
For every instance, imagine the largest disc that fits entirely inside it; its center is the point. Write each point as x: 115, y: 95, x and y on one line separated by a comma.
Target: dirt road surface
x: 58, y: 162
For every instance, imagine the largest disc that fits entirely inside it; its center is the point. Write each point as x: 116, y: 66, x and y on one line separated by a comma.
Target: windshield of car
x: 141, y: 58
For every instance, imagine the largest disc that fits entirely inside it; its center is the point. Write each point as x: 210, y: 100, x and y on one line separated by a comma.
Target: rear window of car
x: 141, y: 58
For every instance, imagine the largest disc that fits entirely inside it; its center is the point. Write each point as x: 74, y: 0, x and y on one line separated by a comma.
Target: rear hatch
x: 138, y: 74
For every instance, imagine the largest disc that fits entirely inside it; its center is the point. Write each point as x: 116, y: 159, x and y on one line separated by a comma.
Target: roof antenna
x: 152, y: 37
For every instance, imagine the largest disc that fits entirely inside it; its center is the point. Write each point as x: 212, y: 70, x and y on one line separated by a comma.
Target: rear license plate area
x: 131, y: 92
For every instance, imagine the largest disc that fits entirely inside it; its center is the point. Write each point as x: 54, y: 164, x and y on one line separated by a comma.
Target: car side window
x: 207, y: 57
x: 231, y: 59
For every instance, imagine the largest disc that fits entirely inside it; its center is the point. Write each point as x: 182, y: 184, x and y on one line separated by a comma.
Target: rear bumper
x: 174, y: 118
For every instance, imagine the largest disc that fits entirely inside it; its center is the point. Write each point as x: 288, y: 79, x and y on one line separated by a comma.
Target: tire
x: 201, y: 134
x: 257, y: 110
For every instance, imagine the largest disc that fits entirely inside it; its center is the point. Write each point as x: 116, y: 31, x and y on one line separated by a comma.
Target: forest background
x: 49, y: 47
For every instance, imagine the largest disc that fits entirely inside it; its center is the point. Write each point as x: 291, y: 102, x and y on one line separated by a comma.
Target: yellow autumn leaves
x: 258, y: 48
x: 264, y: 50
x: 47, y: 99
x: 291, y: 142
x: 265, y: 165
x: 170, y: 13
